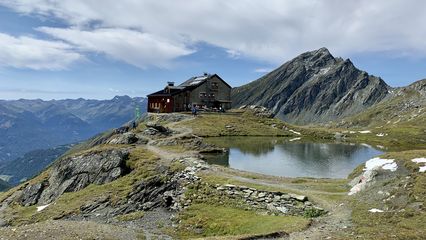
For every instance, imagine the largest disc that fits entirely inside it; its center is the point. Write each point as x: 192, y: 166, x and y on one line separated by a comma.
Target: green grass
x: 203, y: 220
x: 242, y: 124
x: 174, y: 148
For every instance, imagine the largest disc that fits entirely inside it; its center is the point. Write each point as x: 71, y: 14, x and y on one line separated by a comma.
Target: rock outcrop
x: 258, y: 111
x: 314, y: 87
x: 74, y: 173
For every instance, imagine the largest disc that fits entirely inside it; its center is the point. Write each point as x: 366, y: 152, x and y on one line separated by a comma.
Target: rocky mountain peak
x: 313, y: 87
x: 318, y: 58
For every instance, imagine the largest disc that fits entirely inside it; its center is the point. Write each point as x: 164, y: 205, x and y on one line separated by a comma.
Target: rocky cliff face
x: 314, y: 87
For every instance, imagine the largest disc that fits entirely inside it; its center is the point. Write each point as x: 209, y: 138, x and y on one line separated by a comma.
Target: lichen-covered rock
x: 157, y: 127
x: 31, y: 194
x: 126, y: 138
x: 150, y: 193
x: 75, y: 173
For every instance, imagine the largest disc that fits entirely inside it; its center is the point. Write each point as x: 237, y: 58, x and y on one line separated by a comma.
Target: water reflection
x: 277, y: 156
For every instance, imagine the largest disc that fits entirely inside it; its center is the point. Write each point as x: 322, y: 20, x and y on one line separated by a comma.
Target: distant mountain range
x: 27, y: 125
x: 314, y: 87
x: 3, y: 185
x: 31, y: 164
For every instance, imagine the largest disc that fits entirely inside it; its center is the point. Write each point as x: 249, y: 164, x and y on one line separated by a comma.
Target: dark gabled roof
x: 189, y: 84
x: 160, y: 93
x: 196, y: 81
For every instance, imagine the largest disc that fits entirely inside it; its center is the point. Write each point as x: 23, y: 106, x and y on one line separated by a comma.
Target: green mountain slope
x: 406, y: 106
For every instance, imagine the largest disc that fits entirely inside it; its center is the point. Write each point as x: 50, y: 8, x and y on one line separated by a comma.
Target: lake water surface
x: 280, y: 157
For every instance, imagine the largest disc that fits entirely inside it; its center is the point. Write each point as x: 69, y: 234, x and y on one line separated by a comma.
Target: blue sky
x: 71, y: 49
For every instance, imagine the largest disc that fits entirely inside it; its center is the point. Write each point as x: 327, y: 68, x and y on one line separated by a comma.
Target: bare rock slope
x: 314, y: 87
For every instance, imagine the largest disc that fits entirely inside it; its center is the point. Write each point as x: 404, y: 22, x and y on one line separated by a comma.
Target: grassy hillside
x: 402, y: 198
x: 205, y: 211
x: 399, y: 120
x: 245, y: 123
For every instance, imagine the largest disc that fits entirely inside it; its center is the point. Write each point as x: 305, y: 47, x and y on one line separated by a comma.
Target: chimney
x: 170, y: 84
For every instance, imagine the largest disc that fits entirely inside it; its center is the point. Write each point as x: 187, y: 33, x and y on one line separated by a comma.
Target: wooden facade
x: 207, y: 91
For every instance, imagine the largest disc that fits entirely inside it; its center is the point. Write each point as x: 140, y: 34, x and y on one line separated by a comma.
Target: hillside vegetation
x: 151, y: 181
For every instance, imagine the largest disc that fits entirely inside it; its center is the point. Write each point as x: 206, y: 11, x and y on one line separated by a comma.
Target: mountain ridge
x: 314, y: 87
x: 28, y: 125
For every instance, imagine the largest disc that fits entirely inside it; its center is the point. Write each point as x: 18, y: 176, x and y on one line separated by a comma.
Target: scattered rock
x: 299, y: 197
x: 273, y: 202
x: 258, y: 111
x: 157, y: 127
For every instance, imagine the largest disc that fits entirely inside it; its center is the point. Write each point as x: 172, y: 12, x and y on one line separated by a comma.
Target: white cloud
x: 274, y: 30
x: 133, y: 47
x: 233, y: 54
x: 263, y: 70
x: 27, y: 52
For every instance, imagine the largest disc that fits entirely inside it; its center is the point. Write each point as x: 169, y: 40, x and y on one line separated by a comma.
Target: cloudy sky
x: 102, y: 48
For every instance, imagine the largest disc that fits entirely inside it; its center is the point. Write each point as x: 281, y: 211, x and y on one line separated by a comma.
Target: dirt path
x: 59, y: 229
x: 178, y: 133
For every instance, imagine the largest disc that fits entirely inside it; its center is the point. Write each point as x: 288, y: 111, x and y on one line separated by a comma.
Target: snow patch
x: 366, y: 145
x: 387, y: 164
x: 370, y: 172
x: 381, y: 134
x: 41, y: 208
x: 365, y: 131
x: 298, y: 133
x: 294, y: 139
x: 375, y: 210
x: 419, y: 161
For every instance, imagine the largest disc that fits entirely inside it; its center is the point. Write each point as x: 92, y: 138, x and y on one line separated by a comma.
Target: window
x: 203, y: 94
x: 215, y: 85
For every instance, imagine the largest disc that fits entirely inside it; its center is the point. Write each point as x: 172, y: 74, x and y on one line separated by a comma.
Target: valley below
x: 156, y: 181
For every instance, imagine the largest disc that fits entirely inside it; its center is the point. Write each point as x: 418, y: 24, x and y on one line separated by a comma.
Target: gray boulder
x: 75, y: 173
x: 31, y: 194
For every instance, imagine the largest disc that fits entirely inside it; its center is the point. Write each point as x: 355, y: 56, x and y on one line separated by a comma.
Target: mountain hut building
x: 207, y: 91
